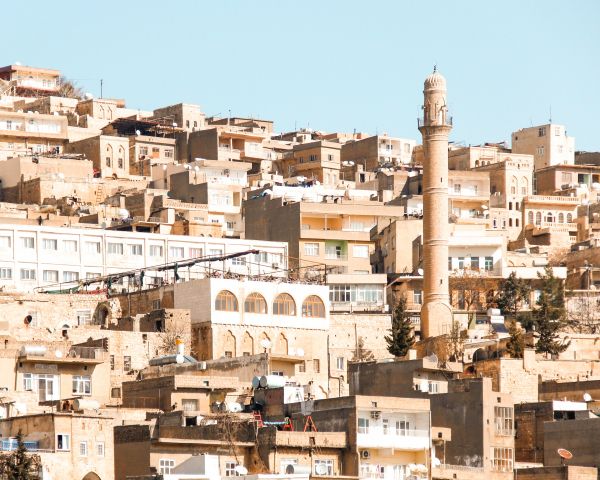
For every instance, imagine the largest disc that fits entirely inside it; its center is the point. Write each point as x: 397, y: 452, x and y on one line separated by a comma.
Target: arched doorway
x: 91, y: 476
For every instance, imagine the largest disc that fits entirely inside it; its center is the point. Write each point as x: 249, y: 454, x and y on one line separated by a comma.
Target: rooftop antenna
x: 550, y: 119
x: 101, y: 85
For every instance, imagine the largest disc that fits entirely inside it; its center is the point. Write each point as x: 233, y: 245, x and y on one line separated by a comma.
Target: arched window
x: 569, y: 218
x: 229, y: 345
x: 226, y: 302
x: 284, y: 305
x: 549, y: 217
x: 530, y: 218
x: 538, y: 218
x: 524, y: 185
x: 282, y: 344
x: 476, y: 163
x: 109, y: 155
x: 513, y: 186
x: 561, y: 218
x: 313, y: 307
x: 121, y: 157
x: 247, y: 344
x: 510, y: 205
x: 255, y: 303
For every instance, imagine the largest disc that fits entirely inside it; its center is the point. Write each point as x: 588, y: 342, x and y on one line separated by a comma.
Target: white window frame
x: 360, y: 251
x: 28, y: 242
x: 153, y: 249
x: 166, y: 465
x: 113, y: 248
x: 100, y: 449
x: 82, y: 385
x: 311, y: 249
x: 50, y: 244
x: 136, y: 249
x: 83, y: 448
x: 65, y: 447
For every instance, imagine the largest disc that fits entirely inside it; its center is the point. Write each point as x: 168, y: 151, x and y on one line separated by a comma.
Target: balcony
x: 342, y: 257
x: 445, y: 471
x: 321, y: 234
x: 552, y: 199
x: 379, y: 307
x: 74, y: 354
x: 229, y: 153
x: 442, y: 121
x: 403, y: 440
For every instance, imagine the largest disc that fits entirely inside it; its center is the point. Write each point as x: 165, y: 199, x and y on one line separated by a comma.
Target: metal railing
x: 444, y: 121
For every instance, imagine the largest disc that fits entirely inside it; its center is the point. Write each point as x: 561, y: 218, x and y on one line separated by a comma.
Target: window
x: 194, y: 252
x: 155, y: 152
x: 339, y: 363
x: 541, y: 131
x: 324, y: 467
x: 230, y: 225
x: 82, y: 385
x: 569, y: 218
x: 50, y: 244
x: 100, y: 449
x: 93, y: 274
x: 312, y: 158
x: 112, y: 362
x: 474, y: 263
x: 363, y: 425
x: 165, y: 466
x: 50, y: 276
x: 83, y: 449
x: 168, y: 153
x: 228, y: 354
x: 217, y: 252
x: 189, y: 405
x: 255, y: 303
x: 360, y: 251
x: 70, y: 276
x: 70, y: 246
x: 334, y: 252
x: 28, y: 382
x: 27, y: 274
x: 27, y: 242
x: 316, y: 365
x: 311, y: 249
x: 340, y: 293
x: 5, y: 273
x: 176, y: 252
x: 114, y: 248
x: 157, y: 250
x: 93, y: 248
x: 461, y: 263
x: 144, y: 151
x: 115, y: 392
x: 285, y: 462
x: 502, y: 459
x: 449, y: 263
x: 238, y: 261
x: 302, y: 367
x: 385, y: 423
x: 313, y: 307
x: 84, y: 317
x: 226, y: 302
x: 540, y: 150
x: 230, y: 469
x: 135, y: 250
x: 418, y: 297
x: 489, y: 263
x: 503, y: 420
x: 127, y: 363
x: 457, y: 188
x: 402, y: 427
x: 63, y: 441
x: 284, y: 305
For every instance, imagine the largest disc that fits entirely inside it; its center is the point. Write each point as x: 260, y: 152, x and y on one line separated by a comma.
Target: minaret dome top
x: 435, y: 81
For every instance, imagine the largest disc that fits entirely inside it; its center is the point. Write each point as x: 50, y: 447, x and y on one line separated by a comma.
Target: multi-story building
x: 564, y: 178
x: 185, y: 115
x: 376, y: 151
x: 315, y: 160
x: 31, y: 133
x: 33, y: 256
x: 467, y: 158
x: 109, y: 154
x: 549, y: 144
x: 23, y: 81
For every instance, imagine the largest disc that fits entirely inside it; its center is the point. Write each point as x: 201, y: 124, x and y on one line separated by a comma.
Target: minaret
x: 435, y: 126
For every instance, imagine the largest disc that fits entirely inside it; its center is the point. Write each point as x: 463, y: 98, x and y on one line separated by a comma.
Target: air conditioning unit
x: 365, y: 454
x: 375, y: 414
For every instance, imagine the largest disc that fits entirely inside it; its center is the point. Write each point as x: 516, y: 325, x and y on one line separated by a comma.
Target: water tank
x: 272, y: 381
x: 86, y: 404
x: 298, y: 470
x: 234, y: 407
x: 38, y: 350
x: 255, y: 382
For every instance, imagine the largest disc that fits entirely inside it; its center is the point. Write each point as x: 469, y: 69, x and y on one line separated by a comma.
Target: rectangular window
x: 70, y: 276
x: 5, y: 273
x: 156, y: 250
x: 324, y: 467
x: 92, y: 274
x: 70, y: 246
x: 114, y: 248
x: 339, y: 363
x: 93, y: 248
x: 230, y: 469
x: 195, y: 252
x: 316, y: 365
x: 27, y: 274
x: 230, y: 225
x: 386, y: 426
x: 360, y: 251
x: 461, y: 263
x: 363, y: 425
x: 84, y: 317
x: 100, y: 449
x: 503, y: 420
x: 144, y: 151
x: 189, y: 405
x: 541, y: 131
x: 165, y: 466
x: 417, y: 297
x: 217, y: 252
x: 50, y: 276
x: 312, y: 158
x: 63, y: 442
x: 474, y: 263
x: 402, y: 427
x: 28, y: 242
x: 502, y: 459
x: 82, y: 385
x: 489, y: 263
x: 5, y: 242
x: 302, y: 367
x: 457, y: 188
x: 238, y: 261
x: 83, y: 449
x: 176, y: 252
x: 28, y: 382
x: 135, y: 250
x: 112, y: 362
x: 50, y: 244
x: 168, y: 153
x: 311, y: 249
x: 449, y: 263
x: 127, y: 363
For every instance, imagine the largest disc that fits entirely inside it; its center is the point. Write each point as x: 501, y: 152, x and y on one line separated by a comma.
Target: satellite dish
x: 321, y: 469
x: 179, y: 358
x: 265, y: 343
x: 420, y: 271
x: 137, y: 132
x: 587, y: 397
x: 17, y: 63
x: 300, y: 352
x: 564, y: 454
x: 123, y: 213
x: 88, y: 96
x: 436, y: 462
x: 241, y: 470
x: 58, y: 354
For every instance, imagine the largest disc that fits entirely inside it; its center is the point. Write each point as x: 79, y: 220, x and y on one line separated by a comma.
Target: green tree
x: 513, y: 293
x: 19, y: 464
x: 516, y: 342
x: 401, y: 337
x: 550, y: 314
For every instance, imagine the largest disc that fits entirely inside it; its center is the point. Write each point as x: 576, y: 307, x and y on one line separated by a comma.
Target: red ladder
x: 258, y: 419
x: 310, y: 424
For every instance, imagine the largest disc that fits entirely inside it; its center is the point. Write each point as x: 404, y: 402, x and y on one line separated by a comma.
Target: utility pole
x: 101, y: 85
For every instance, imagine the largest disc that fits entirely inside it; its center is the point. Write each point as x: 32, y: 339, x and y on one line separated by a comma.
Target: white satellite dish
x: 88, y: 96
x: 179, y: 358
x: 300, y: 352
x: 436, y: 462
x: 123, y: 213
x: 137, y: 132
x: 197, y: 168
x: 587, y: 397
x: 241, y: 470
x: 265, y: 343
x: 58, y: 354
x: 321, y: 469
x: 17, y: 63
x: 420, y: 271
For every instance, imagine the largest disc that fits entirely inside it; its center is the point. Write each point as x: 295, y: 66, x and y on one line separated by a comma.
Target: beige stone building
x: 185, y: 115
x: 549, y: 144
x: 375, y: 151
x: 25, y: 81
x: 315, y: 160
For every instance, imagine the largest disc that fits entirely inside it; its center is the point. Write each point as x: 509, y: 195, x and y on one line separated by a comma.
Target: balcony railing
x: 439, y: 122
x: 332, y: 256
x: 406, y: 440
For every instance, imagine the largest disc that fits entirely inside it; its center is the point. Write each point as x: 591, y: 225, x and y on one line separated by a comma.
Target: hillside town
x: 186, y: 296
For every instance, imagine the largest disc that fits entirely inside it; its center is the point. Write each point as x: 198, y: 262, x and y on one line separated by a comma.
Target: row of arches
x: 248, y: 344
x: 548, y: 217
x: 284, y: 304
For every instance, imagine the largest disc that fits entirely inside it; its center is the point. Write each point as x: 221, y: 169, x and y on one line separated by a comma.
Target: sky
x: 329, y: 65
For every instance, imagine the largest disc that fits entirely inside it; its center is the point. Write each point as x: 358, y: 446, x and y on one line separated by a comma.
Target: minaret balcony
x: 438, y: 122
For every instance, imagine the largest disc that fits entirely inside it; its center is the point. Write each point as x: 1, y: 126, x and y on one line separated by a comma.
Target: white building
x: 34, y: 256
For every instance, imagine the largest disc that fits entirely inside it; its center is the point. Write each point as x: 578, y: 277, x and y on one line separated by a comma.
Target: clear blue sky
x: 330, y: 65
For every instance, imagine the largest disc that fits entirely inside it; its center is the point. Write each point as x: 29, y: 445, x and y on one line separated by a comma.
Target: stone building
x: 549, y: 144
